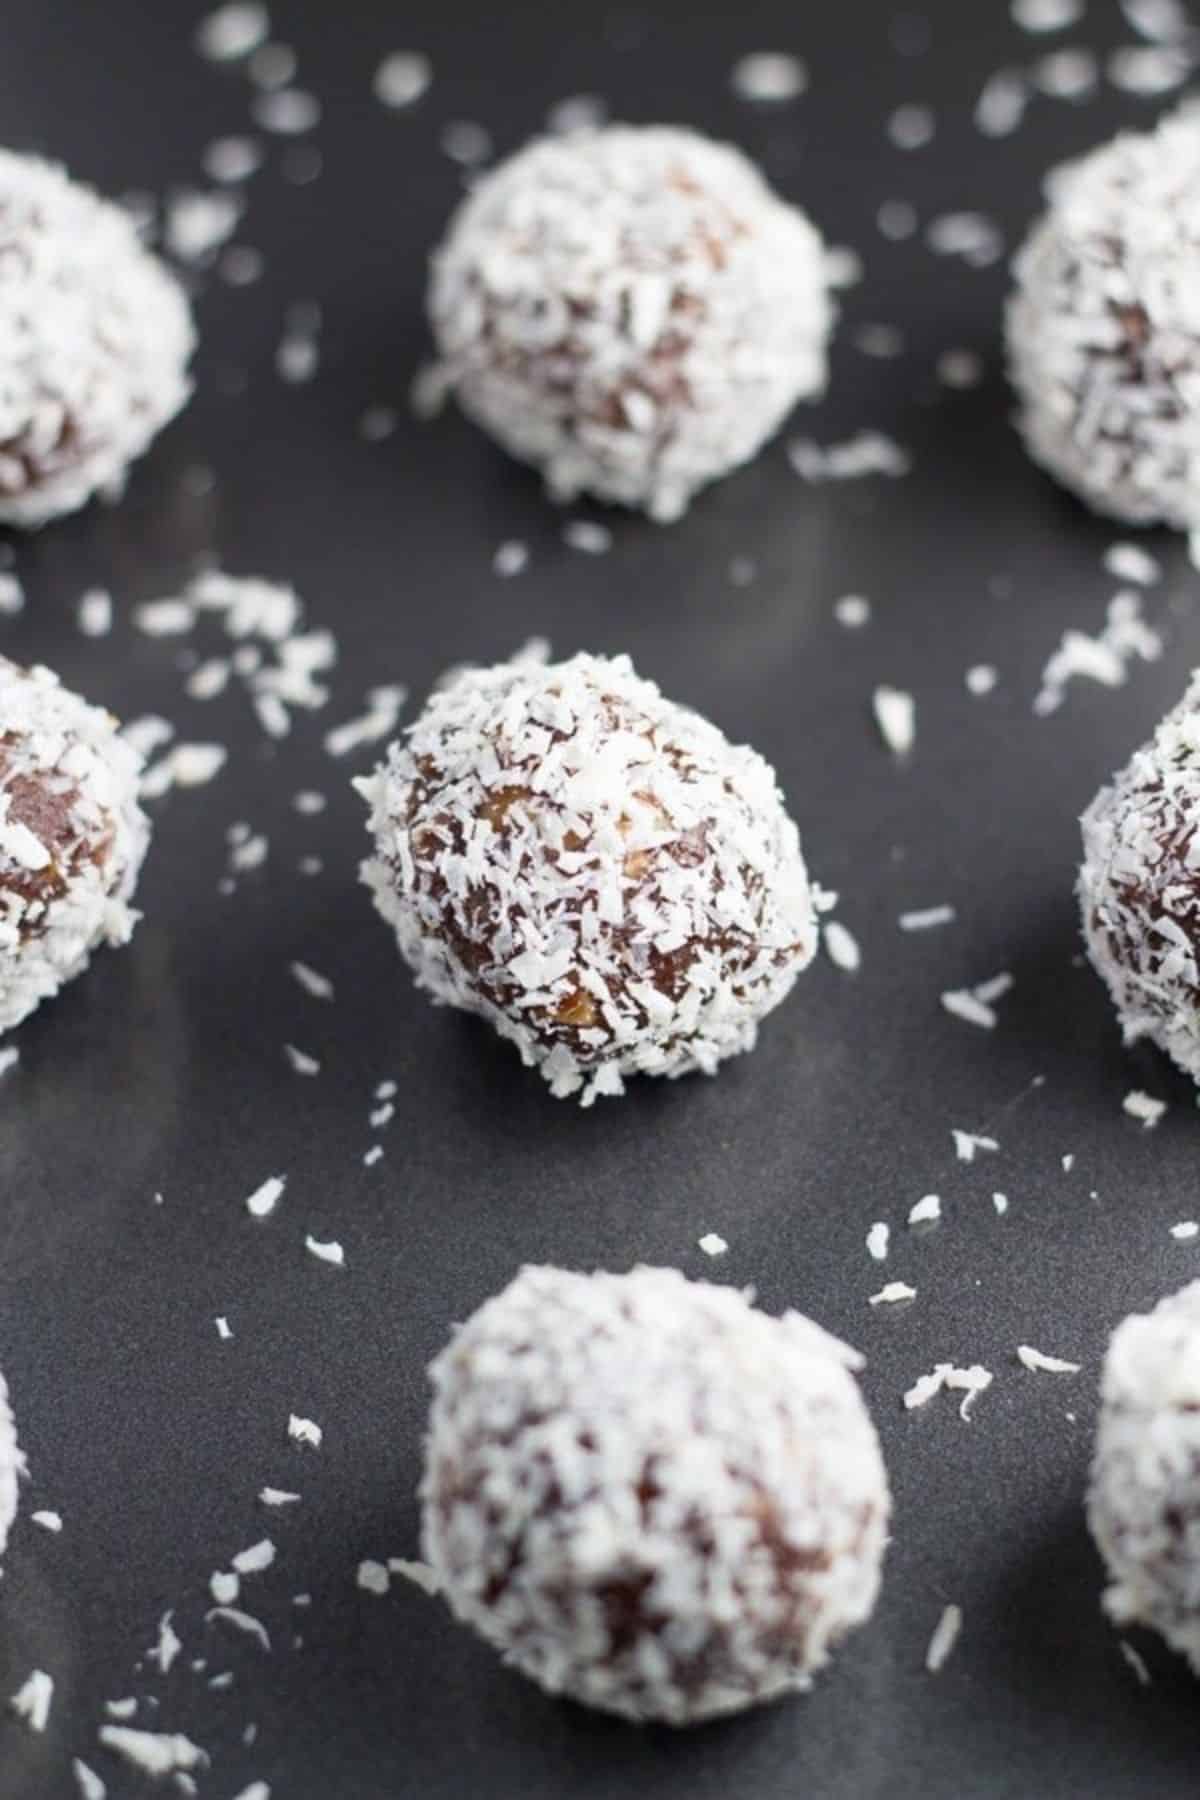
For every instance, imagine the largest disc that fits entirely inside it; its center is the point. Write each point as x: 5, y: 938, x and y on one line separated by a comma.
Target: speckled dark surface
x: 163, y: 1071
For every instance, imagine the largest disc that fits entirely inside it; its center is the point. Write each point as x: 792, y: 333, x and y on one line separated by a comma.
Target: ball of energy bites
x: 12, y: 1465
x: 595, y: 870
x: 1144, y: 1502
x: 1139, y: 887
x: 95, y: 337
x: 650, y: 1496
x: 632, y: 310
x: 72, y: 836
x: 1104, y: 327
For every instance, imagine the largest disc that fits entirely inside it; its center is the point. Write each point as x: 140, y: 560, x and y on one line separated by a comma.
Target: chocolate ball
x: 72, y: 836
x: 1104, y: 328
x: 632, y: 310
x: 650, y: 1496
x: 595, y: 870
x: 95, y: 337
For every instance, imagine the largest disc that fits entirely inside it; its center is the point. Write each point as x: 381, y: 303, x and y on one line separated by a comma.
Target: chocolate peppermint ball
x: 1104, y: 327
x: 1144, y: 1502
x: 632, y: 310
x: 1139, y: 887
x: 95, y: 337
x: 650, y: 1496
x: 594, y: 869
x: 72, y: 836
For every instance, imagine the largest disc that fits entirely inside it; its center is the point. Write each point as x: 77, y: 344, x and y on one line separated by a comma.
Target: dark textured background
x: 163, y: 1070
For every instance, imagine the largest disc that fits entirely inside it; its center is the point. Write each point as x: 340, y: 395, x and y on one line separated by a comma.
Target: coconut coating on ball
x: 594, y: 869
x: 650, y: 1496
x: 72, y: 836
x: 1139, y: 887
x: 632, y: 310
x: 95, y: 337
x: 1144, y: 1502
x: 12, y: 1465
x: 1104, y: 327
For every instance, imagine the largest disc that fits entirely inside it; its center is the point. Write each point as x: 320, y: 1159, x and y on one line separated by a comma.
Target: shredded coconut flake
x: 896, y: 717
x: 866, y: 453
x: 769, y: 77
x: 330, y: 1251
x: 304, y: 1431
x: 264, y: 1199
x: 945, y: 1637
x: 1048, y: 1365
x: 403, y: 78
x: 373, y: 1577
x: 968, y: 1143
x: 1144, y: 1108
x: 877, y: 1241
x: 841, y: 947
x: 1186, y: 1231
x: 154, y: 1752
x: 927, y: 918
x: 893, y: 1293
x: 927, y: 1211
x: 712, y: 1244
x: 31, y: 1702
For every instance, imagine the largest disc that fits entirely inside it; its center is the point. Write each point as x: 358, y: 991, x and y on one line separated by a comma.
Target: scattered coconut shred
x: 1144, y: 1108
x: 1037, y: 1360
x: 32, y: 1700
x: 945, y: 1637
x: 971, y: 1382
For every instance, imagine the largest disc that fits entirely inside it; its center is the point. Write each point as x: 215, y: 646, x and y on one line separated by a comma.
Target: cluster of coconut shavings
x: 1144, y: 1499
x: 686, y: 1553
x: 1139, y: 887
x: 631, y: 310
x: 595, y: 870
x: 1105, y: 659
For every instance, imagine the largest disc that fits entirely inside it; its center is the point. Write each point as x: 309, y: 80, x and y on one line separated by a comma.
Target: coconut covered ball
x: 1144, y: 1503
x: 594, y: 869
x: 95, y: 337
x: 1139, y: 887
x: 1104, y: 327
x: 72, y: 836
x: 650, y: 1496
x: 632, y: 310
x: 12, y: 1465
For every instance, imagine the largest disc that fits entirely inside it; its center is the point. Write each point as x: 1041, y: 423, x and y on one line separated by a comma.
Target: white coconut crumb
x: 866, y: 453
x: 912, y: 127
x: 841, y: 947
x: 980, y: 679
x: 95, y: 613
x: 1048, y: 1365
x: 974, y: 1005
x: 1130, y: 562
x: 329, y: 1250
x: 381, y: 1116
x: 927, y: 918
x: 300, y: 1061
x: 852, y: 611
x: 587, y: 536
x: 314, y: 983
x: 970, y: 1382
x: 224, y: 1586
x: 466, y: 142
x: 1186, y: 1231
x: 304, y: 1431
x: 273, y: 65
x: 373, y: 1577
x: 297, y: 358
x: 272, y: 1496
x: 12, y: 594
x: 892, y: 1294
x: 384, y: 706
x: 896, y: 716
x: 1135, y: 1661
x: 232, y: 160
x: 121, y: 1709
x: 372, y: 1156
x: 883, y: 341
x: 232, y: 32
x: 308, y: 802
x: 1068, y: 1162
x: 511, y: 558
x: 154, y: 1752
x: 165, y: 618
x: 167, y: 1649
x: 1046, y: 15
x: 578, y: 112
x: 1149, y: 69
x: 878, y: 1239
x: 945, y: 1637
x: 402, y: 79
x: 1070, y: 74
x: 960, y: 369
x: 183, y: 766
x: 197, y: 222
x: 1000, y: 1202
x: 241, y: 1621
x: 973, y: 237
x: 88, y: 1782
x: 377, y: 423
x: 897, y: 220
x: 1105, y: 658
x: 968, y: 1143
x: 266, y: 1198
x: 49, y: 1521
x: 1144, y: 1108
x: 712, y: 1244
x: 769, y: 77
x: 224, y: 1328
x: 927, y: 1210
x: 1001, y: 105
x: 31, y: 1702
x: 286, y: 111
x: 9, y: 1058
x: 254, y: 1560
x: 386, y: 1090
x: 419, y: 1573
